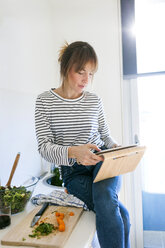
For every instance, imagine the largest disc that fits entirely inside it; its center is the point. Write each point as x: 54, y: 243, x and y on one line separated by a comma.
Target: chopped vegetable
x: 71, y: 214
x: 61, y: 228
x: 42, y: 230
x: 60, y: 221
x: 57, y: 214
x: 61, y: 216
x: 61, y: 224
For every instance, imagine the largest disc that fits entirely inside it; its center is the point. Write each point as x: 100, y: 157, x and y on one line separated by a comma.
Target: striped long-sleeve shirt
x: 61, y: 123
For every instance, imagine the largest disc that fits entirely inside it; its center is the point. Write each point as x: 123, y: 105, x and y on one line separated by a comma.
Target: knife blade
x: 39, y: 214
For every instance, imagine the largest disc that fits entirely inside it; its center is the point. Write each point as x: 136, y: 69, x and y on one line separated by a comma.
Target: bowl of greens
x: 19, y: 194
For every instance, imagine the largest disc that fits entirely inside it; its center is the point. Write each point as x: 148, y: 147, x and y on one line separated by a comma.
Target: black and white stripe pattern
x: 61, y: 123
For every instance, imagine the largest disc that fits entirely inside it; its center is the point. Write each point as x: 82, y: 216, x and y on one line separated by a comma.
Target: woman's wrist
x: 72, y: 152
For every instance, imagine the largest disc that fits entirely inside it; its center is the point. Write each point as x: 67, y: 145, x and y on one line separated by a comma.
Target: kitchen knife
x: 39, y: 214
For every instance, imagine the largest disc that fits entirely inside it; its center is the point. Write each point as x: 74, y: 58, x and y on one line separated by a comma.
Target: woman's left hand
x: 84, y: 155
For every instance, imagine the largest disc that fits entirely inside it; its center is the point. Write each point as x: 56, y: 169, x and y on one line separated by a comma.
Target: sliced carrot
x: 61, y: 228
x: 60, y: 221
x: 61, y: 216
x: 61, y: 224
x: 71, y: 214
x: 57, y: 214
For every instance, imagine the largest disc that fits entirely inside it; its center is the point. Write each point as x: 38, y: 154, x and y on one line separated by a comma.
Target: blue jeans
x: 112, y: 218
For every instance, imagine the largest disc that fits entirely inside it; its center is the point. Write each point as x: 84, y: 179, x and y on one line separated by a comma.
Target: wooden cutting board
x: 19, y: 235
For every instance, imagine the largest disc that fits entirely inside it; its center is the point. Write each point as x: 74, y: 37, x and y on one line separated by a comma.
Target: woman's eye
x: 81, y: 73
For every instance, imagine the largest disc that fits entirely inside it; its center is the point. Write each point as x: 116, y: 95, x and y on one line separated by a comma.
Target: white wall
x: 32, y: 31
x: 26, y: 66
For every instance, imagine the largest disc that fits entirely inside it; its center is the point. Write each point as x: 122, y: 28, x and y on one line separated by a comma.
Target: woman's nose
x: 86, y: 78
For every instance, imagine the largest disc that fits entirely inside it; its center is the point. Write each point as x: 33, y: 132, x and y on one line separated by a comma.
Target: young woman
x: 70, y: 127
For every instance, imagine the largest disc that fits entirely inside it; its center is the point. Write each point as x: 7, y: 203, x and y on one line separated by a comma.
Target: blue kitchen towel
x: 60, y: 198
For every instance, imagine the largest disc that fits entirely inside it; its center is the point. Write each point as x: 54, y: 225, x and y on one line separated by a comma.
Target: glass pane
x: 152, y: 134
x: 150, y: 35
x: 151, y: 92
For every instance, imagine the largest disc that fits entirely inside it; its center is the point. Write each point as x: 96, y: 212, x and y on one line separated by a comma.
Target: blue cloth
x: 59, y: 197
x: 112, y: 218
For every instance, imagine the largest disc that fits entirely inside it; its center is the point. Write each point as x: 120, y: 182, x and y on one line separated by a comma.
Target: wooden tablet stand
x: 119, y: 162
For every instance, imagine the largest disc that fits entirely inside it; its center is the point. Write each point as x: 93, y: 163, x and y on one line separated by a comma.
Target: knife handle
x: 41, y: 211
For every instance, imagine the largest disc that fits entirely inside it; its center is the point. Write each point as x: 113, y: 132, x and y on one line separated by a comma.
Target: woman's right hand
x: 84, y: 155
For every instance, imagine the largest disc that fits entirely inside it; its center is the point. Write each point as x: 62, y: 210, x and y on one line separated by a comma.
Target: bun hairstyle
x: 62, y: 50
x: 76, y: 54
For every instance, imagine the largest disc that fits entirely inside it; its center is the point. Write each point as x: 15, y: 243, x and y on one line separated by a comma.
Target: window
x: 143, y: 27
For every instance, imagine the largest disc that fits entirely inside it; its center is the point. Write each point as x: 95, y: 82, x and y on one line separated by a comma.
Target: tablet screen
x: 115, y: 149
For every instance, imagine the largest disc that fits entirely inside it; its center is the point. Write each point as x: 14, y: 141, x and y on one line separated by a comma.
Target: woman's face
x: 77, y: 81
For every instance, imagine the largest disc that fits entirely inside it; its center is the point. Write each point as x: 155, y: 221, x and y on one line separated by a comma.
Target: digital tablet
x: 119, y: 160
x: 115, y: 149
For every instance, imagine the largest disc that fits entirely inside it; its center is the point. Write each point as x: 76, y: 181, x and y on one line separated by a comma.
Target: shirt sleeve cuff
x: 70, y: 161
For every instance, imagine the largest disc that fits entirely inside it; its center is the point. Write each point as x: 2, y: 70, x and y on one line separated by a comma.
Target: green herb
x: 17, y: 197
x: 23, y: 239
x: 56, y: 179
x: 42, y: 230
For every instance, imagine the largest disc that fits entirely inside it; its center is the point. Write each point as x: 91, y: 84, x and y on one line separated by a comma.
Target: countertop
x: 82, y: 234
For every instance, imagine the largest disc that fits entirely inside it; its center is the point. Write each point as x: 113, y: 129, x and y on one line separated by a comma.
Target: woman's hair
x: 76, y: 54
